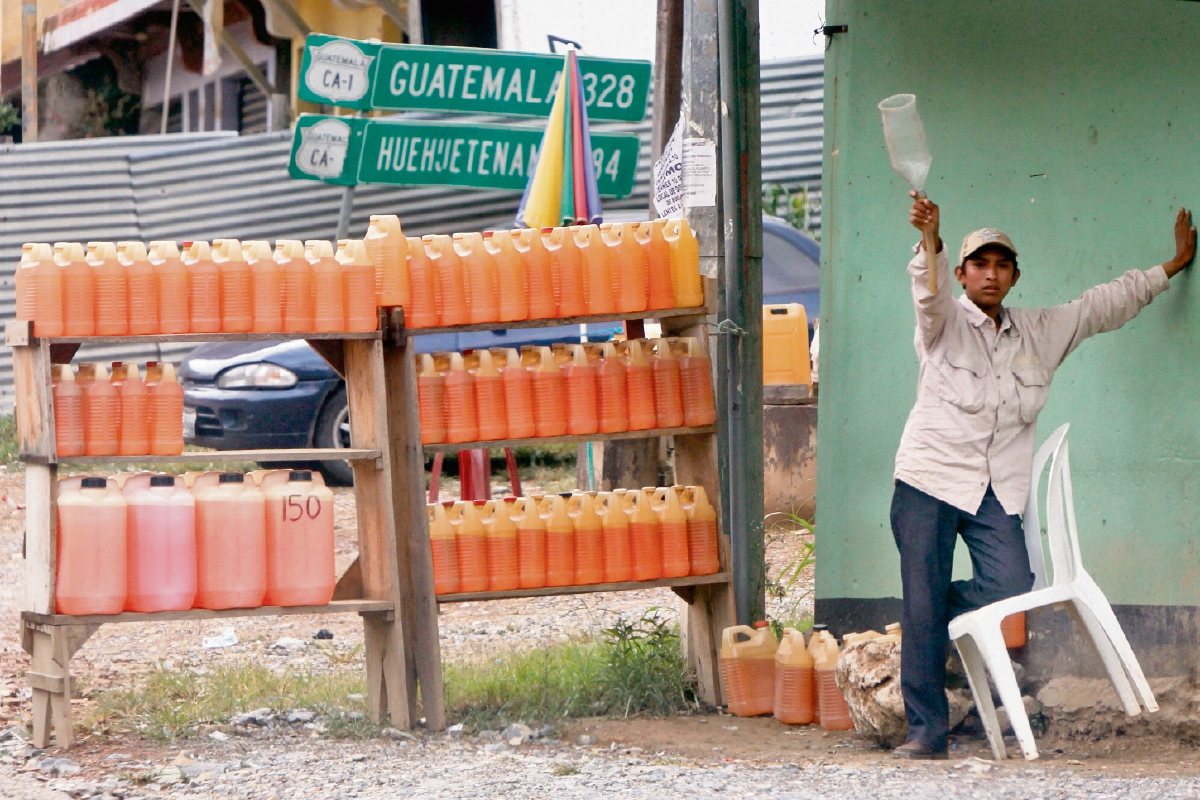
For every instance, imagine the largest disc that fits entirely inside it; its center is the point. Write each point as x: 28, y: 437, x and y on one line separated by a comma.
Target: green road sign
x: 326, y: 149
x: 467, y: 80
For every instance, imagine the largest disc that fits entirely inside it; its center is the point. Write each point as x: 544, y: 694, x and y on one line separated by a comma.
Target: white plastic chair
x: 977, y: 635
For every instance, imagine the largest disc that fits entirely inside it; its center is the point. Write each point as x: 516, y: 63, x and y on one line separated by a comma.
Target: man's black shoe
x: 920, y: 752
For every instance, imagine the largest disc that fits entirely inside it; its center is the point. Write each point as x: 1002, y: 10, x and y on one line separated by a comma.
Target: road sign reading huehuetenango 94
x: 469, y: 80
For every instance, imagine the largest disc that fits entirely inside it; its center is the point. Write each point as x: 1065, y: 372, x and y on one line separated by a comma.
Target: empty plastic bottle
x: 560, y: 541
x: 422, y: 282
x: 658, y: 265
x: 703, y: 548
x: 173, y: 316
x: 614, y: 533
x: 511, y: 281
x: 644, y: 539
x: 329, y: 305
x: 673, y: 532
x: 471, y: 539
x: 631, y: 282
x: 388, y: 250
x: 112, y: 289
x: 133, y: 436
x: 539, y: 278
x: 166, y: 410
x: 611, y: 392
x: 204, y: 288
x: 597, y: 271
x: 566, y: 271
x: 237, y: 313
x: 748, y: 669
x: 481, y: 278
x: 39, y: 284
x: 431, y: 400
x: 266, y: 287
x: 297, y: 277
x: 79, y: 289
x: 161, y: 545
x: 451, y: 291
x: 531, y: 543
x: 549, y: 391
x: 91, y: 576
x: 695, y: 382
x: 358, y: 285
x: 583, y: 412
x: 794, y: 695
x: 686, y: 284
x: 68, y: 411
x: 299, y: 538
x: 668, y: 391
x: 503, y: 561
x: 589, y: 539
x: 101, y: 411
x: 462, y: 421
x: 142, y: 280
x: 518, y: 393
x: 231, y: 544
x: 489, y: 396
x: 639, y: 385
x: 443, y: 549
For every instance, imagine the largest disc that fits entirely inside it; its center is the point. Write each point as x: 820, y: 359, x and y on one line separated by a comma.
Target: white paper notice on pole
x: 699, y: 173
x: 668, y: 177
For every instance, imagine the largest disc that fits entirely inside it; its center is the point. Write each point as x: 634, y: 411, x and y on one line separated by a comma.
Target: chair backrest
x: 1032, y: 522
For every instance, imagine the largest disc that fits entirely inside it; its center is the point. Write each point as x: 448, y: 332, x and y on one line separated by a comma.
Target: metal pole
x: 166, y: 112
x: 415, y: 28
x: 343, y: 226
x: 741, y: 184
x: 29, y: 72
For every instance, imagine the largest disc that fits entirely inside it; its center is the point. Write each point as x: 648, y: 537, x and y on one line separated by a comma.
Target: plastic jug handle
x: 729, y: 635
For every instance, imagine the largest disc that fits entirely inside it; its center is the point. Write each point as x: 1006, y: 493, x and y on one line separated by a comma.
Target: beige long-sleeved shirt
x: 981, y: 388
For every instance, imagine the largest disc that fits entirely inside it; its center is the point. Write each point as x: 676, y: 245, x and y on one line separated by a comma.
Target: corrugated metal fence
x: 205, y: 186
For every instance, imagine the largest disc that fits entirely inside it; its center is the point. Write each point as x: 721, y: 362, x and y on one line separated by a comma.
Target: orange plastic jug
x: 589, y: 538
x: 539, y: 277
x: 92, y: 564
x: 431, y: 400
x: 101, y: 411
x: 133, y: 436
x: 112, y: 289
x: 703, y: 548
x: 481, y: 278
x: 471, y: 540
x: 68, y: 411
x: 815, y: 646
x: 695, y: 382
x: 422, y: 282
x: 668, y: 391
x: 611, y: 394
x: 172, y: 287
x: 566, y: 272
x: 451, y: 289
x: 166, y: 410
x: 231, y: 543
x: 299, y: 536
x: 329, y: 304
x: 748, y: 669
x: 597, y: 270
x: 39, y: 284
x: 835, y: 714
x: 204, y: 288
x: 503, y: 561
x: 518, y: 392
x: 462, y: 420
x: 785, y: 345
x: 583, y: 412
x: 639, y: 385
x: 388, y: 250
x: 1012, y: 628
x: 793, y: 680
x: 79, y: 289
x: 489, y: 397
x: 644, y: 538
x: 358, y: 285
x: 549, y: 391
x: 658, y: 265
x: 266, y: 287
x: 560, y: 541
x: 685, y: 264
x: 297, y: 281
x: 143, y: 288
x: 237, y: 292
x: 443, y: 549
x: 672, y: 531
x: 161, y: 545
x: 631, y: 281
x: 614, y: 531
x: 531, y: 543
x: 511, y: 283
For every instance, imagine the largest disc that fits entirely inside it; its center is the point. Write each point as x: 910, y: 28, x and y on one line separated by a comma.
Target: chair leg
x: 1090, y: 595
x: 995, y: 655
x: 977, y: 678
x: 1086, y: 620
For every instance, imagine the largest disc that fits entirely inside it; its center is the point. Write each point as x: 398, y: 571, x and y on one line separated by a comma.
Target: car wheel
x: 333, y: 431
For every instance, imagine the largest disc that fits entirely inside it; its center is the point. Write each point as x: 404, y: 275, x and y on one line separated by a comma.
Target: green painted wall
x: 1075, y: 127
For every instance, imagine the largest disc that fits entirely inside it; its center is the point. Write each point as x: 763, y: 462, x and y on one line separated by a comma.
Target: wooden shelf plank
x: 204, y: 457
x: 551, y: 591
x: 650, y: 433
x: 184, y: 338
x: 335, y: 607
x: 662, y: 313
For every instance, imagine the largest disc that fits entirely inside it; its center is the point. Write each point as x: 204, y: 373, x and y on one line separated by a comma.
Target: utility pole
x: 29, y: 69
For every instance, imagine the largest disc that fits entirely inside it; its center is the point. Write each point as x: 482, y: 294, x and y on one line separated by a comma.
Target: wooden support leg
x: 51, y: 649
x: 387, y: 692
x: 709, y: 611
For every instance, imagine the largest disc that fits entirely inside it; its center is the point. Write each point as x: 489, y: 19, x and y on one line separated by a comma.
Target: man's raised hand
x: 1185, y: 243
x: 924, y: 216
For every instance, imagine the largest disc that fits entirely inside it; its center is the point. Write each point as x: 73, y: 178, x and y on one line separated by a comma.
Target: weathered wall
x: 1074, y: 126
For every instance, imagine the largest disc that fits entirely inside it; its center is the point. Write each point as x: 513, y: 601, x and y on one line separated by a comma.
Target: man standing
x: 963, y: 464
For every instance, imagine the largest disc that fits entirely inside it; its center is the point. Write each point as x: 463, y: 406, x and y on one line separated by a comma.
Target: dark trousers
x: 926, y: 530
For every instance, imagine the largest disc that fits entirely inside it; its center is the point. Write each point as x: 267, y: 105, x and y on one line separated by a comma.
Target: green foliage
x: 10, y: 116
x: 108, y: 111
x: 796, y: 208
x: 8, y: 442
x: 791, y: 531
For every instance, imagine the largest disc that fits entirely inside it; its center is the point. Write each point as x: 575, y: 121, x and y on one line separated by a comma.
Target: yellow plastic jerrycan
x: 388, y: 249
x: 785, y: 345
x: 531, y: 542
x: 672, y: 532
x: 748, y: 669
x: 794, y: 693
x: 893, y: 630
x: 835, y: 714
x: 470, y: 538
x: 358, y: 285
x: 444, y: 550
x: 685, y: 264
x: 589, y: 538
x: 851, y: 638
x: 644, y: 537
x: 560, y: 541
x: 703, y: 547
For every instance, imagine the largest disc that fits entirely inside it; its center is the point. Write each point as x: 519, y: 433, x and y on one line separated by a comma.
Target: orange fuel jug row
x: 572, y: 540
x: 570, y: 389
x: 99, y: 415
x: 142, y: 542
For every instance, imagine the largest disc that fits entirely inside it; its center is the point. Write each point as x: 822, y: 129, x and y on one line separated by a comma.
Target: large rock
x: 868, y: 673
x: 1088, y: 708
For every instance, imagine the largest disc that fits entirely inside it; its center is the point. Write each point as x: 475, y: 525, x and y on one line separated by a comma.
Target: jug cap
x: 317, y: 248
x: 300, y: 475
x: 67, y: 252
x: 228, y: 249
x: 231, y: 477
x: 94, y: 483
x: 162, y: 480
x: 820, y: 627
x: 288, y: 248
x: 352, y: 251
x: 384, y: 223
x: 131, y: 251
x: 257, y: 250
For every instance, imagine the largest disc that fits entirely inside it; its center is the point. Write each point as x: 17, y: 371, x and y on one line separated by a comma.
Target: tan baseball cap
x: 982, y: 238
